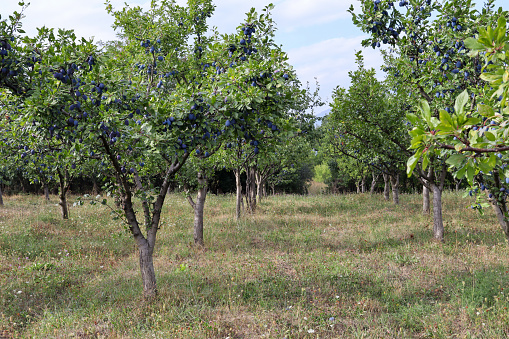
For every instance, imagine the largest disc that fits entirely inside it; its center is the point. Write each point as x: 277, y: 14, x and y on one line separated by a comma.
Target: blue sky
x: 318, y: 35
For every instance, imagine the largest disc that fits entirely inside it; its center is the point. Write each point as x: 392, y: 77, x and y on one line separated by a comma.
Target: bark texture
x: 46, y: 192
x: 63, y: 179
x: 198, y: 208
x: 500, y: 206
x: 148, y: 274
x: 438, y: 223
x: 251, y: 189
x: 374, y: 180
x: 395, y: 188
x: 386, y: 186
x: 238, y: 186
x: 425, y: 193
x: 425, y: 200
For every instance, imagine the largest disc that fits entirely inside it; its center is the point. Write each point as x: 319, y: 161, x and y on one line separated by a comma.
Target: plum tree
x: 367, y: 123
x: 475, y: 132
x: 431, y: 61
x: 148, y: 102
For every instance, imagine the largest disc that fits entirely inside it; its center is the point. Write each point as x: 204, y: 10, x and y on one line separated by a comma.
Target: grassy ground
x: 350, y: 266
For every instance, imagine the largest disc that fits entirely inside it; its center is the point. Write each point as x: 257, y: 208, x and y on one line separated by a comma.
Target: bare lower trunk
x: 63, y: 206
x: 1, y: 196
x: 198, y: 211
x: 358, y: 186
x: 395, y: 188
x: 438, y: 223
x: 259, y: 186
x: 148, y: 274
x: 425, y: 200
x: 251, y: 189
x: 46, y: 192
x: 363, y: 184
x: 457, y: 184
x: 259, y: 191
x: 501, y: 219
x: 373, y: 183
x: 499, y: 205
x: 62, y: 193
x: 95, y: 187
x: 239, y: 193
x: 425, y: 193
x: 386, y: 186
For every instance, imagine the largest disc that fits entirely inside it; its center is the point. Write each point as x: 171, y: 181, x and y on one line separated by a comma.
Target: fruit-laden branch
x: 475, y: 149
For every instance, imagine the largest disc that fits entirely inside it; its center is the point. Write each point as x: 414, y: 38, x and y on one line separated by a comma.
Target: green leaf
x: 446, y: 119
x: 460, y: 102
x: 425, y: 162
x: 412, y: 162
x: 472, y: 43
x: 485, y: 110
x: 461, y: 173
x: 501, y: 28
x: 490, y: 136
x: 455, y: 160
x: 492, y: 162
x: 414, y: 120
x: 470, y: 174
x: 484, y: 166
x: 426, y: 112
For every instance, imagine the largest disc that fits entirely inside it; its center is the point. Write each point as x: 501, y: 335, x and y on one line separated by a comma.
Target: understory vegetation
x: 321, y: 266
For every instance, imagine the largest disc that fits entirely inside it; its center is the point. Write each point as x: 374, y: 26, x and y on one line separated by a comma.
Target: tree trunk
x: 259, y: 185
x: 363, y: 184
x: 438, y: 223
x: 358, y: 186
x: 373, y: 183
x: 238, y: 185
x: 395, y: 188
x: 437, y: 187
x: 62, y: 193
x: 386, y: 186
x: 148, y: 274
x: 457, y: 184
x: 501, y: 219
x: 499, y: 205
x: 425, y: 193
x: 46, y: 192
x: 1, y: 196
x: 198, y: 210
x: 251, y: 189
x: 425, y: 200
x: 63, y: 206
x: 95, y: 187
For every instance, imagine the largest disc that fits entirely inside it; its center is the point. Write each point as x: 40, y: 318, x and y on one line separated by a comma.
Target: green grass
x: 349, y: 266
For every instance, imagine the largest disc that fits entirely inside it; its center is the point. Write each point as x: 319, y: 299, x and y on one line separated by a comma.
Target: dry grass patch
x: 301, y: 267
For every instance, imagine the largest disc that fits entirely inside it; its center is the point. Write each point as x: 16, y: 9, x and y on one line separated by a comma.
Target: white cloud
x: 87, y: 18
x: 292, y: 14
x: 289, y: 15
x: 330, y: 61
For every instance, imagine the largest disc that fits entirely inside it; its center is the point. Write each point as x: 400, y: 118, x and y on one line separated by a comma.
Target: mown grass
x: 348, y: 266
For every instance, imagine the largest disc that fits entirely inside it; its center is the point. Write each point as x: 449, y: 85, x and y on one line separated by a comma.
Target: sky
x: 318, y: 35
